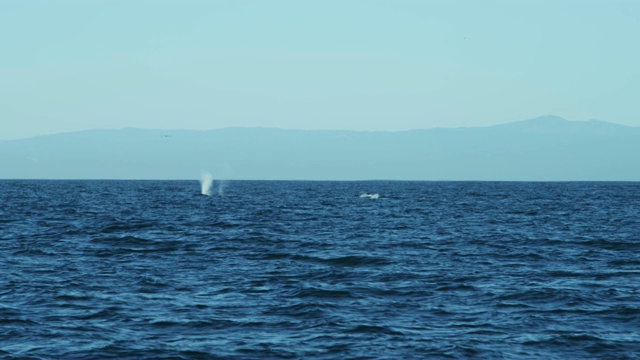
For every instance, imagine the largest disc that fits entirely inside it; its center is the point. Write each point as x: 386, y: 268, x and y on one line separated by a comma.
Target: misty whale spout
x: 206, y: 182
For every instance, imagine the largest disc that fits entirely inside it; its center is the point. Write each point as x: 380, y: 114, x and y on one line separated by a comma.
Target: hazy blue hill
x: 545, y: 148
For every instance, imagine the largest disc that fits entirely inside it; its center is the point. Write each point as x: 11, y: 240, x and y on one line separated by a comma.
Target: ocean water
x: 319, y: 270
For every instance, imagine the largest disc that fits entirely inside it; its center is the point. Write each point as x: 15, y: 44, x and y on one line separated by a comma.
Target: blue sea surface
x: 319, y: 270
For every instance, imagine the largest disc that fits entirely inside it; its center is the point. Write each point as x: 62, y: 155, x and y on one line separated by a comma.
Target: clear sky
x: 307, y: 64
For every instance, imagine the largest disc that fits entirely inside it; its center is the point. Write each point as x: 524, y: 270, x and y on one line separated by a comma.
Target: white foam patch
x: 370, y: 196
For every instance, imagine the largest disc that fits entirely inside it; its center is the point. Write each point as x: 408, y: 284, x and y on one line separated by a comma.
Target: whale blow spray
x: 206, y: 182
x: 222, y: 184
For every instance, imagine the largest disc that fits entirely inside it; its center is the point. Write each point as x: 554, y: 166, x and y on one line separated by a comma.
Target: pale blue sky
x: 344, y: 64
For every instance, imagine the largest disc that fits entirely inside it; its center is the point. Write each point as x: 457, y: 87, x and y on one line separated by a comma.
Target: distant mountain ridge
x: 544, y: 148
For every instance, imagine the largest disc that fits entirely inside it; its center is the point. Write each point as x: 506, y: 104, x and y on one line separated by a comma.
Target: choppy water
x: 146, y: 269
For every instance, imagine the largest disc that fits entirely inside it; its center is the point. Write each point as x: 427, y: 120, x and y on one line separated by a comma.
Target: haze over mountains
x: 544, y: 148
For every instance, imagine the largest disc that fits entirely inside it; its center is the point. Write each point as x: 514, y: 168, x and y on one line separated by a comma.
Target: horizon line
x: 320, y: 180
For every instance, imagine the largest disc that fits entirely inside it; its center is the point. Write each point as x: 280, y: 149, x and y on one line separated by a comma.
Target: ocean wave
x: 301, y: 270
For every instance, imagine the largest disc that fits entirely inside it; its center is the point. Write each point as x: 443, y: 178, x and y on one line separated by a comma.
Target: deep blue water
x: 153, y: 269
